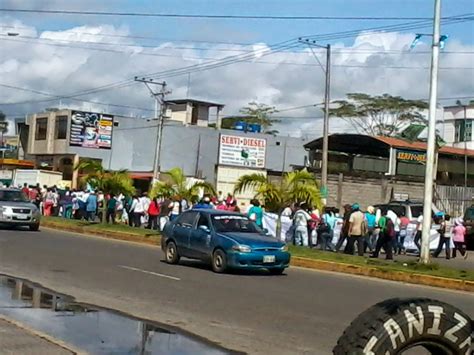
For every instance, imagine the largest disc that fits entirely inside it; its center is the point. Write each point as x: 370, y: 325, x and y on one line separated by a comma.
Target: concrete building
x: 373, y: 170
x: 57, y: 141
x: 193, y: 112
x: 458, y: 126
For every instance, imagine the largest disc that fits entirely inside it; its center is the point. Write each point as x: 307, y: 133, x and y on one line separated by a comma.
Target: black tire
x: 34, y: 227
x: 171, y: 253
x: 219, y: 261
x: 438, y: 327
x: 277, y: 271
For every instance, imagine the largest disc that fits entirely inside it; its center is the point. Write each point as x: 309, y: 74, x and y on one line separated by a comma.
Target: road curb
x: 412, y: 278
x: 44, y: 336
x: 111, y: 235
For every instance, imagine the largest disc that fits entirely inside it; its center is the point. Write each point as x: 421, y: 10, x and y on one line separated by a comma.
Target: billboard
x: 91, y: 130
x: 9, y: 147
x: 242, y: 151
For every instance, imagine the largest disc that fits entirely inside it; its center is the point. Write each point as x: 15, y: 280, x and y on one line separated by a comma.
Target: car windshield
x: 234, y: 223
x: 13, y: 196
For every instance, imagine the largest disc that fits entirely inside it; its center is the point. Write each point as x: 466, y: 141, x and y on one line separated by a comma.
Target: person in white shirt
x: 175, y: 209
x: 300, y: 221
x: 419, y: 228
x: 287, y: 212
x: 145, y: 201
x: 137, y: 211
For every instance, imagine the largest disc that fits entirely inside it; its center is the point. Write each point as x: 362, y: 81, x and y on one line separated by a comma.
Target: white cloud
x: 283, y: 79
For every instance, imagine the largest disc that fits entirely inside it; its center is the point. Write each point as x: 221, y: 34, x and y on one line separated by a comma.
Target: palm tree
x: 295, y: 187
x: 110, y: 182
x: 177, y: 186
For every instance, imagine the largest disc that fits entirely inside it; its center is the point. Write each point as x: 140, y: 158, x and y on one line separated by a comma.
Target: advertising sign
x: 91, y: 130
x: 411, y: 156
x: 242, y: 151
x: 9, y: 147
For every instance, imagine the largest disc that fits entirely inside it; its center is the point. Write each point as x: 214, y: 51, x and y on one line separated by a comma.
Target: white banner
x: 270, y: 222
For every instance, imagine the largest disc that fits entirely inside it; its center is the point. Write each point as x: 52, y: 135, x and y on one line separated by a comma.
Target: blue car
x: 225, y: 239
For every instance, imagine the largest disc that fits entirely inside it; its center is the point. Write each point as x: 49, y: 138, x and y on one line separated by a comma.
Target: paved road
x: 301, y: 312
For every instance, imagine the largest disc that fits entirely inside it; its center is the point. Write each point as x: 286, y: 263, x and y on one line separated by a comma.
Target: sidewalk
x: 15, y: 340
x: 457, y: 263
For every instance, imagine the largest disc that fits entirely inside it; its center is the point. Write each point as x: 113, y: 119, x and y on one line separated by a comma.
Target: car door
x: 199, y: 241
x: 182, y: 231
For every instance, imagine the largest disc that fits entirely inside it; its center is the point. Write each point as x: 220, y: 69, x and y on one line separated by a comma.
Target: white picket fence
x: 454, y: 199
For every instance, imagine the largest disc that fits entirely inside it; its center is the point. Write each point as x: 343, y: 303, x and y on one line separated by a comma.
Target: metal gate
x: 454, y: 199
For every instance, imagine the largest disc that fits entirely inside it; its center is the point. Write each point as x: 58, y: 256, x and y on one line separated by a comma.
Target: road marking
x: 149, y: 272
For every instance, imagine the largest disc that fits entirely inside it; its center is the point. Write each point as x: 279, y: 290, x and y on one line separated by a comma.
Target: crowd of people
x: 371, y: 231
x: 367, y: 231
x: 136, y: 211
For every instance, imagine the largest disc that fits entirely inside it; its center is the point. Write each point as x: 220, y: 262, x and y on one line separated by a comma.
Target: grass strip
x: 414, y: 267
x: 104, y: 227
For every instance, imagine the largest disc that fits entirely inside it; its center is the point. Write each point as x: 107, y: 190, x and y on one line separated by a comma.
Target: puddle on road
x: 92, y: 329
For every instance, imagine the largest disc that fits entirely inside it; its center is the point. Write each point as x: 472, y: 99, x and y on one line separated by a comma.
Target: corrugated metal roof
x: 400, y: 143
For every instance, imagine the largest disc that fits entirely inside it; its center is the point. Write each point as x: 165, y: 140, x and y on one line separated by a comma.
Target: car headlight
x: 7, y: 210
x: 284, y: 248
x: 242, y: 248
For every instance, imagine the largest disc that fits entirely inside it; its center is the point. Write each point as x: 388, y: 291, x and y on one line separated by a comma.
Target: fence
x: 454, y: 199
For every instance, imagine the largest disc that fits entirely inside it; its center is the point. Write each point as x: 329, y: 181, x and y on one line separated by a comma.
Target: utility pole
x: 431, y: 148
x: 327, y: 100
x: 159, y: 115
x: 465, y: 146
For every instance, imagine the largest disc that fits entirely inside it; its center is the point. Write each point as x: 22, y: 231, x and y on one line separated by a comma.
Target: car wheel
x: 219, y: 261
x: 34, y: 227
x: 276, y: 271
x: 396, y: 326
x: 171, y: 253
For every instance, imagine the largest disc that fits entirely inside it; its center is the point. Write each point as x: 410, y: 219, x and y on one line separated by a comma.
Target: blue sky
x: 55, y: 63
x: 268, y: 31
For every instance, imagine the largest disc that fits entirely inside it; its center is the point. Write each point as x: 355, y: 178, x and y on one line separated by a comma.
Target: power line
x: 113, y: 35
x: 204, y: 66
x: 210, y: 16
x: 56, y: 97
x: 29, y: 39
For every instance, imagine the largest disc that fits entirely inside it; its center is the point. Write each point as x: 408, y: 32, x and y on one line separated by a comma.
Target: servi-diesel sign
x: 242, y: 151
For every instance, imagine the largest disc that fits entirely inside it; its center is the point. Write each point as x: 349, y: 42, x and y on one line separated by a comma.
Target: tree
x: 110, y: 182
x: 4, y: 126
x: 177, y: 186
x: 295, y: 187
x: 382, y: 115
x: 259, y: 114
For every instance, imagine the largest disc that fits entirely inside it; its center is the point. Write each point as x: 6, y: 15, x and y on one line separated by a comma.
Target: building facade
x: 58, y: 141
x: 373, y: 170
x: 458, y: 126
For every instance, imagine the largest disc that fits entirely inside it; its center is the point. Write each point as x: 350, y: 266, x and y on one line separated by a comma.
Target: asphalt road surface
x: 301, y: 312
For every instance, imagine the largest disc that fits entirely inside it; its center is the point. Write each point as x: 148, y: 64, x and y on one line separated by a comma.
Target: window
x: 61, y: 127
x: 13, y: 196
x: 187, y: 219
x: 463, y: 131
x: 399, y: 210
x: 234, y: 224
x: 41, y: 128
x: 416, y: 210
x: 203, y: 221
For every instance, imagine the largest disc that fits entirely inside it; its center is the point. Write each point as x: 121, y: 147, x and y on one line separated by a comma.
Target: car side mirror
x: 205, y: 229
